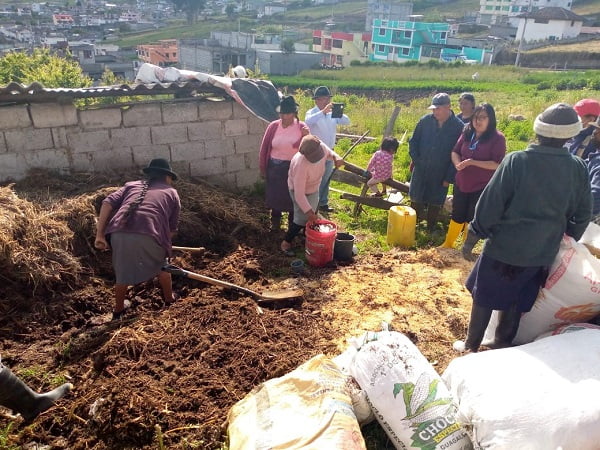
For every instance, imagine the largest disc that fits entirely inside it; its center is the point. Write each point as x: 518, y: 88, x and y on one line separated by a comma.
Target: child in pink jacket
x: 381, y: 164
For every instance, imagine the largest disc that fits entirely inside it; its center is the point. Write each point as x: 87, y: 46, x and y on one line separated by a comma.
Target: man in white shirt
x: 323, y: 126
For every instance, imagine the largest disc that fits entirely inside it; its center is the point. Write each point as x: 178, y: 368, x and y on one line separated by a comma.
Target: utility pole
x: 519, y: 49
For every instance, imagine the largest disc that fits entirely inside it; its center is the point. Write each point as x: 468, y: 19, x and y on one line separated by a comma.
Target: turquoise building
x: 401, y: 41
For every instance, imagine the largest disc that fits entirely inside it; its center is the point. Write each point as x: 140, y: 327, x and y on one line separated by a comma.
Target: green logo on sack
x: 431, y: 418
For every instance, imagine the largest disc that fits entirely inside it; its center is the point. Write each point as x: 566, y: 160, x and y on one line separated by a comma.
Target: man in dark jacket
x: 533, y: 199
x: 430, y: 147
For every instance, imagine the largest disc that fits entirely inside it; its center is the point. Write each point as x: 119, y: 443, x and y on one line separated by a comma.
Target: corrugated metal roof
x: 36, y: 93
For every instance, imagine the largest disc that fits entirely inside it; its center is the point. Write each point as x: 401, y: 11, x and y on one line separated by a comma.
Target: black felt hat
x: 288, y: 105
x: 160, y: 165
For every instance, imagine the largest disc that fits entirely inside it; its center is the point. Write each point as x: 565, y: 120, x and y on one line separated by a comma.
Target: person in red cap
x: 588, y: 111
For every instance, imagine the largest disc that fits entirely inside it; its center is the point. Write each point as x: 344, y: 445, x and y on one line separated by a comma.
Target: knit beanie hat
x: 558, y: 121
x: 311, y: 148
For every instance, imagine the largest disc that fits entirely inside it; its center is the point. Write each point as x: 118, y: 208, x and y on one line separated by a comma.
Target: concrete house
x: 503, y: 12
x: 552, y: 23
x: 338, y: 49
x: 386, y: 10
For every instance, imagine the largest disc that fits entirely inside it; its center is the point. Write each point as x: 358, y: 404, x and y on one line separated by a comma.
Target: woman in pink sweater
x: 304, y: 177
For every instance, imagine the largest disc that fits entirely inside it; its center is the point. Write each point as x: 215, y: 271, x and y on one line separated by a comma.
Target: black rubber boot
x: 17, y: 396
x: 418, y: 207
x: 275, y: 221
x: 480, y: 318
x: 433, y: 211
x: 508, y: 326
x: 467, y: 248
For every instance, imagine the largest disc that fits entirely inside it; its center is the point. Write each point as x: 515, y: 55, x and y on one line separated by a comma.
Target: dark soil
x: 167, y: 375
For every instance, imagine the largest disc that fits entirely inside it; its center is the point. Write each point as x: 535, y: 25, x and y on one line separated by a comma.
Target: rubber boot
x: 508, y: 325
x: 419, y: 208
x: 17, y: 396
x: 454, y: 230
x: 467, y: 248
x: 480, y: 318
x: 275, y: 221
x: 433, y: 211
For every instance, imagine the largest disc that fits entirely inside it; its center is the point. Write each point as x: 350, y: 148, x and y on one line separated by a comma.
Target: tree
x: 50, y: 70
x: 287, y: 46
x: 191, y: 8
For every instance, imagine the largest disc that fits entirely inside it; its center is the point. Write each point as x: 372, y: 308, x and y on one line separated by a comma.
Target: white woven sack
x: 539, y: 396
x: 407, y: 396
x: 571, y: 294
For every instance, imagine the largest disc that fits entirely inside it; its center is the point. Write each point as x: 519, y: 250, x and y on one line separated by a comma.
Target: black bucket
x: 344, y: 243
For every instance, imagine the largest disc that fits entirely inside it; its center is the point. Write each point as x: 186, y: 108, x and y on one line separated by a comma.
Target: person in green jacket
x: 533, y: 199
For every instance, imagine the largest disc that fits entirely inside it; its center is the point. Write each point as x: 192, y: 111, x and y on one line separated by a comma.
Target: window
x: 408, y: 34
x: 316, y: 41
x: 572, y: 23
x: 505, y: 8
x: 381, y: 32
x: 541, y: 21
x: 337, y: 43
x: 381, y: 48
x: 405, y: 51
x: 443, y: 35
x: 497, y: 8
x: 489, y: 8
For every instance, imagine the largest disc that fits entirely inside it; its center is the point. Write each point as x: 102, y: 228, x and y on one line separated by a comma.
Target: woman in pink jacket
x: 306, y: 170
x: 279, y: 145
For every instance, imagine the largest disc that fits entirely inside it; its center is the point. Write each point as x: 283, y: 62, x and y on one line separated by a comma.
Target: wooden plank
x: 348, y: 178
x: 375, y: 202
x: 357, y: 206
x: 402, y: 187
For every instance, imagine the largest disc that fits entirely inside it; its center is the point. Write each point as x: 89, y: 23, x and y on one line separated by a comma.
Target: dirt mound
x: 168, y: 375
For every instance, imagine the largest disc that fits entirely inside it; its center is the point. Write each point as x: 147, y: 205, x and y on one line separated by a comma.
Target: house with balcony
x: 402, y: 41
x: 164, y: 53
x: 338, y: 49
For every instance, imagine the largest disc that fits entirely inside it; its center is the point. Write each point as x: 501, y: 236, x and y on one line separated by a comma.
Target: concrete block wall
x: 214, y: 140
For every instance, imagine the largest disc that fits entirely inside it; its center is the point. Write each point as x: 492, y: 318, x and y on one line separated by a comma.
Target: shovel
x: 284, y: 298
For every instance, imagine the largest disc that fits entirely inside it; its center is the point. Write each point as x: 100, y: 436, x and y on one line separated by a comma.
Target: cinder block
x: 203, y: 131
x: 14, y: 117
x: 143, y: 154
x: 181, y: 168
x: 222, y: 147
x: 117, y: 159
x: 239, y: 112
x: 179, y: 112
x: 188, y: 151
x: 46, y: 115
x: 226, y: 181
x: 215, y: 110
x: 100, y: 118
x: 142, y: 115
x: 54, y: 158
x: 88, y: 141
x: 237, y: 127
x: 252, y: 161
x: 247, y: 144
x: 59, y: 136
x: 246, y: 178
x: 127, y: 137
x: 169, y: 134
x: 82, y: 162
x: 10, y: 169
x: 19, y: 140
x: 235, y: 163
x: 206, y: 167
x: 257, y: 126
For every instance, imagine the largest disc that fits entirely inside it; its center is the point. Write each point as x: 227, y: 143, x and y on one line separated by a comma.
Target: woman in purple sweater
x: 476, y: 156
x: 139, y: 220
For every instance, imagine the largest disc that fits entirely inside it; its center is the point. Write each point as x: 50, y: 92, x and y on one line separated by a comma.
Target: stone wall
x: 214, y: 140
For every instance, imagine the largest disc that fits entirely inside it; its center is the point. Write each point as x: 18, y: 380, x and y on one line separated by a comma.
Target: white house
x: 551, y: 23
x: 505, y: 12
x: 273, y: 8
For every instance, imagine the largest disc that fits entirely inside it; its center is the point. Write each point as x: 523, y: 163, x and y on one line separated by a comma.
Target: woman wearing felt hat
x: 279, y: 145
x: 139, y: 220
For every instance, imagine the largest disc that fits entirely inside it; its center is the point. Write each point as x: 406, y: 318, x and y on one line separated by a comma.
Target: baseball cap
x: 441, y: 99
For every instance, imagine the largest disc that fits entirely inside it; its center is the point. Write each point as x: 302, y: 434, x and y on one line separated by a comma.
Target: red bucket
x: 320, y: 240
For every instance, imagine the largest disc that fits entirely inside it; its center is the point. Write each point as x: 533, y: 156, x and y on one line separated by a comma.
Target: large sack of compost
x: 539, y: 396
x: 407, y: 396
x: 309, y: 408
x: 571, y: 294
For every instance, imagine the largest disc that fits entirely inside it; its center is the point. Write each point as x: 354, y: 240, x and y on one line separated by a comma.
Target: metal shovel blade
x: 282, y: 298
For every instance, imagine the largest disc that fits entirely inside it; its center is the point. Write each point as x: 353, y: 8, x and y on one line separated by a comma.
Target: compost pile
x: 167, y: 375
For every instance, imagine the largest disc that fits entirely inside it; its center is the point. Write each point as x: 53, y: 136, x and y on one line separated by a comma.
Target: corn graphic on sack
x: 408, y: 397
